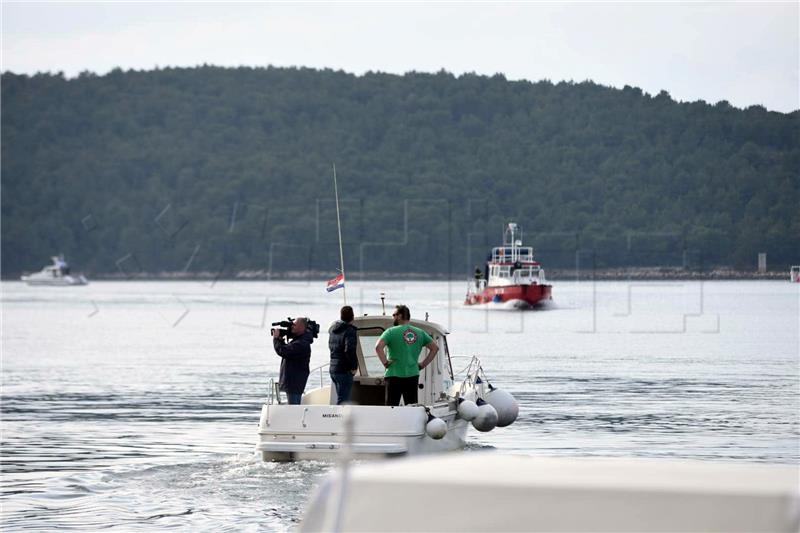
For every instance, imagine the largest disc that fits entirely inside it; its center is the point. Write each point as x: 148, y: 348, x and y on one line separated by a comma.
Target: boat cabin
x: 369, y: 385
x: 58, y: 269
x: 512, y: 263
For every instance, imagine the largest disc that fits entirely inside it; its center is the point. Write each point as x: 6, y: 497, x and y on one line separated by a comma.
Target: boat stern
x: 295, y: 432
x: 289, y: 432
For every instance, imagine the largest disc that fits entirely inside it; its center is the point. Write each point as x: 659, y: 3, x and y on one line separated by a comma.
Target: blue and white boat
x: 58, y: 275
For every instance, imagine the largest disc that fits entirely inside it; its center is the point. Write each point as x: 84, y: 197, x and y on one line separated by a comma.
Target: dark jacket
x: 342, y: 342
x: 294, y: 362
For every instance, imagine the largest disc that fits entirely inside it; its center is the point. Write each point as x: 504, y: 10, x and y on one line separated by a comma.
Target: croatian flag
x: 335, y: 283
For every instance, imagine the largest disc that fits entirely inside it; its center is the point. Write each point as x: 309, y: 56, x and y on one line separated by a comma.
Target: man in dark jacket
x: 295, y: 356
x: 344, y: 362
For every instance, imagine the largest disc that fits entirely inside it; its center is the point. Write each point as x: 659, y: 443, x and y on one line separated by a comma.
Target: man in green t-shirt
x: 404, y: 342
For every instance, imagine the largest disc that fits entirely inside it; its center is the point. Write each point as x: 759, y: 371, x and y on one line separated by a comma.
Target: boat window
x: 447, y: 357
x: 374, y: 365
x: 502, y: 271
x: 367, y: 338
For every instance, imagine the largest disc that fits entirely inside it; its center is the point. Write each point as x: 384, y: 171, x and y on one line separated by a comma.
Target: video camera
x: 285, y: 328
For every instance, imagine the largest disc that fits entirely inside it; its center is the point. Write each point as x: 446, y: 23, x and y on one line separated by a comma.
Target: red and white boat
x: 512, y: 277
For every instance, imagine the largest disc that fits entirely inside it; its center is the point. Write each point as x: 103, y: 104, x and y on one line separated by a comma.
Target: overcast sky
x: 744, y: 52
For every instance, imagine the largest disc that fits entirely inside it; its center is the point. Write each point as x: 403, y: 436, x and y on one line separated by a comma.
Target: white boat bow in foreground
x: 488, y: 491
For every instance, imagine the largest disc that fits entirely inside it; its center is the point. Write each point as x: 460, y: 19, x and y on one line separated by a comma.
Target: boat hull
x: 65, y: 281
x: 301, y: 432
x: 518, y: 295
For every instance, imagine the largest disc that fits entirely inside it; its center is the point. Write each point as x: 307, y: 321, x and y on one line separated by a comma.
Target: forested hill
x: 227, y: 170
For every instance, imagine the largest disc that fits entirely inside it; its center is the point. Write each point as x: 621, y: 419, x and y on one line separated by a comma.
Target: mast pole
x: 339, y: 226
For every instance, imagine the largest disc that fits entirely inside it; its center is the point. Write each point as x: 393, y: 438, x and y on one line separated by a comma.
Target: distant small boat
x: 58, y: 274
x: 512, y: 275
x: 794, y: 274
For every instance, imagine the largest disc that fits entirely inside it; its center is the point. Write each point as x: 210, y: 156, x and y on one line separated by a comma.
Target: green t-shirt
x: 403, y: 344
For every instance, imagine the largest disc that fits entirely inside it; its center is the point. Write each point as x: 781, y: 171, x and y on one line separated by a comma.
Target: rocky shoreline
x: 609, y: 274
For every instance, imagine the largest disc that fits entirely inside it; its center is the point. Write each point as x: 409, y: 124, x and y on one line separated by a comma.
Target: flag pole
x: 339, y: 226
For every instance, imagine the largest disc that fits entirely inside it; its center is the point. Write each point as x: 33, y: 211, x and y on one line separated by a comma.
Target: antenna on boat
x: 339, y: 226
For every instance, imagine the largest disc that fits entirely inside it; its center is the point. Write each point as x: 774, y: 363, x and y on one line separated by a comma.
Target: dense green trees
x: 228, y: 170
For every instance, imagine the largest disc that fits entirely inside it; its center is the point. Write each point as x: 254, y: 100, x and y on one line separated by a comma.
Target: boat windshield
x: 367, y: 341
x: 368, y: 338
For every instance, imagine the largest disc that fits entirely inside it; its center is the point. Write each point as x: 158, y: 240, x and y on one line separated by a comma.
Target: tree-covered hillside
x: 228, y: 170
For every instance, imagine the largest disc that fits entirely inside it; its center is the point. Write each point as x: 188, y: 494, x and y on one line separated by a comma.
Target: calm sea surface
x: 134, y: 405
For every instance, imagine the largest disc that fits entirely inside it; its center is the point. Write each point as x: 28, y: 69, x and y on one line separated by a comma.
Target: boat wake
x: 512, y: 305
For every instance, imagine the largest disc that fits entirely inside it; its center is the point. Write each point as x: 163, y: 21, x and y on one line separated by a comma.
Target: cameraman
x: 295, y: 356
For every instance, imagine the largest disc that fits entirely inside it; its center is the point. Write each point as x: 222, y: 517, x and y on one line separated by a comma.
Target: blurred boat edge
x: 486, y: 491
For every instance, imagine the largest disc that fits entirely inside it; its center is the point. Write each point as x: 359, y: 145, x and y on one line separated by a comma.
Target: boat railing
x: 274, y: 387
x: 510, y: 254
x: 518, y: 273
x: 322, y: 374
x: 273, y: 392
x: 454, y: 358
x: 472, y: 372
x: 476, y: 285
x: 473, y: 365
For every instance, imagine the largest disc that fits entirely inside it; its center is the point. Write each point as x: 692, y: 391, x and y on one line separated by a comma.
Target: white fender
x: 436, y: 428
x: 467, y: 409
x: 487, y: 417
x: 505, y: 404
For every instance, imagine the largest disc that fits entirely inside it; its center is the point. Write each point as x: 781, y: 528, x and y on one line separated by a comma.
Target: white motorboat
x: 57, y: 274
x: 315, y: 429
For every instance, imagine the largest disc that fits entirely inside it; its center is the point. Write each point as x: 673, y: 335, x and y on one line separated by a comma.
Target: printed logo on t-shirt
x: 410, y: 336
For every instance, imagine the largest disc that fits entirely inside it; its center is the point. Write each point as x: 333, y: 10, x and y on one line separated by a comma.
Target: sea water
x: 135, y: 405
